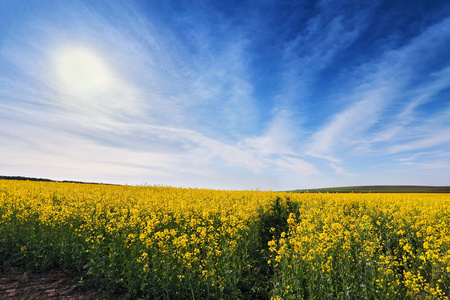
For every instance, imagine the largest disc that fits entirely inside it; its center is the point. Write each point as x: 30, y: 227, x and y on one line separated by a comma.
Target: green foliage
x: 257, y: 246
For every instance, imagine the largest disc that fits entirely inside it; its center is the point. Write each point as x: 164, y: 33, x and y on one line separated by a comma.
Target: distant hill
x: 380, y: 189
x: 346, y: 189
x: 42, y: 179
x: 24, y: 178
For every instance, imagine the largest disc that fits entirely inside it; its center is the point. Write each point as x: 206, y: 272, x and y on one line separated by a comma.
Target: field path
x: 52, y: 284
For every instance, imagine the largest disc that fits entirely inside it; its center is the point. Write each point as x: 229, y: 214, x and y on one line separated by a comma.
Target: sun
x: 81, y: 71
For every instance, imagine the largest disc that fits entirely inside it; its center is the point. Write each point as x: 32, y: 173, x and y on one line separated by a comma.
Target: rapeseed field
x: 175, y: 243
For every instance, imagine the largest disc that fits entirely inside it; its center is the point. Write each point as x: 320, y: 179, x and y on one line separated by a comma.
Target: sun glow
x: 81, y: 71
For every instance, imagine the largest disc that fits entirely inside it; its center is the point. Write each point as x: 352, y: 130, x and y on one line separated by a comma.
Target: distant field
x: 173, y: 243
x: 381, y: 189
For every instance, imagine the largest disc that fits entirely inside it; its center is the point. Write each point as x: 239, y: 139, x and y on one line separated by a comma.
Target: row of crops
x: 173, y: 243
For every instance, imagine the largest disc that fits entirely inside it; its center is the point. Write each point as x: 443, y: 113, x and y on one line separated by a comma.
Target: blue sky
x: 269, y: 95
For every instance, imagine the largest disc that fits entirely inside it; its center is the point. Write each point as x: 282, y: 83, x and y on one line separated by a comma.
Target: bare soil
x: 52, y: 284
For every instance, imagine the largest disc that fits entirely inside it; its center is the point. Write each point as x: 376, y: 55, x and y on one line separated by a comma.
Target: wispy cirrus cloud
x: 383, y: 106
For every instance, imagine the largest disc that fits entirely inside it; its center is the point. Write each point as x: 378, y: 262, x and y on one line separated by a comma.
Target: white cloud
x: 348, y: 125
x: 436, y: 138
x: 341, y: 171
x: 298, y: 166
x: 369, y: 120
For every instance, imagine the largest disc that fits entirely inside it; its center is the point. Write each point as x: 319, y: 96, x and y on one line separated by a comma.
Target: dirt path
x: 52, y: 284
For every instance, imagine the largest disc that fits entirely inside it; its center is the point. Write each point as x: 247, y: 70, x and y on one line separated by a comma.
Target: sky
x: 234, y: 95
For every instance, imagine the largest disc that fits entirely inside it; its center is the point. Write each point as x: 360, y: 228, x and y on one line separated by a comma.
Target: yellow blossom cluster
x: 147, y: 240
x: 374, y: 246
x: 175, y: 243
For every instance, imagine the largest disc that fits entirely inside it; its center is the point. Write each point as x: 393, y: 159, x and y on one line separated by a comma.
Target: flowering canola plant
x: 166, y: 243
x: 371, y: 246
